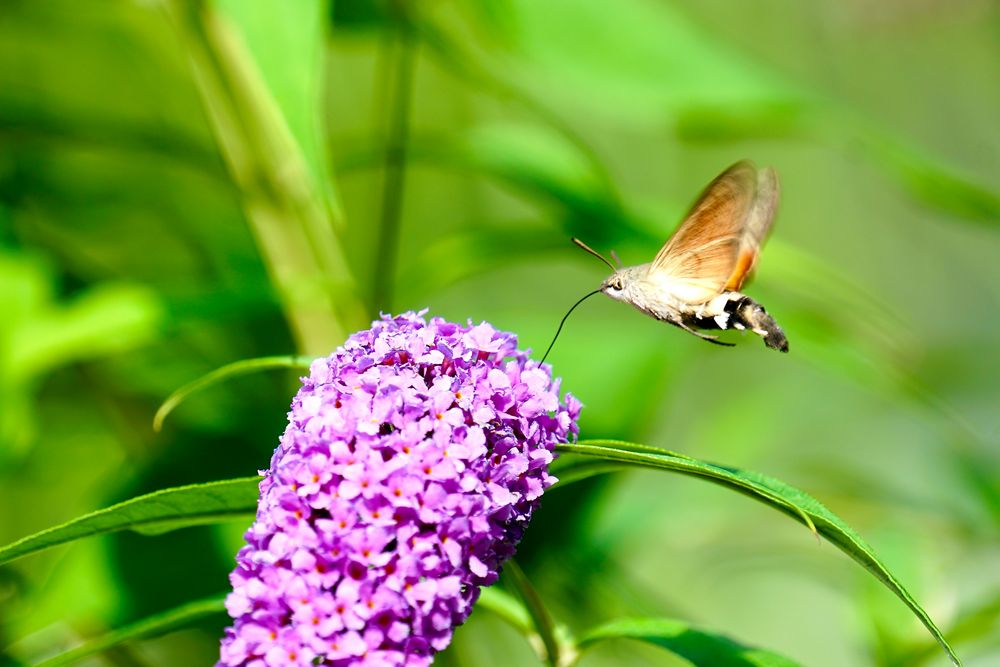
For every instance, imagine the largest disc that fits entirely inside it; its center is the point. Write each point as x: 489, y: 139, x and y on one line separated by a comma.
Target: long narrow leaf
x: 223, y: 373
x: 157, y: 512
x: 738, y: 480
x: 777, y: 494
x: 700, y: 648
x: 153, y: 626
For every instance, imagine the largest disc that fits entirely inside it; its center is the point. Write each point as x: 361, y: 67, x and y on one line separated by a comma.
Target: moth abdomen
x: 733, y: 310
x: 746, y: 313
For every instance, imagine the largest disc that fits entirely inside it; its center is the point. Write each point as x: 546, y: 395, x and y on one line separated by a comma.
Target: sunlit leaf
x: 153, y: 513
x: 39, y: 333
x: 665, y: 64
x: 105, y: 319
x: 930, y: 180
x: 771, y: 492
x: 700, y: 648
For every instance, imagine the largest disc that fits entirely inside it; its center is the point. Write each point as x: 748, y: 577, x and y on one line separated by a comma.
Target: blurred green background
x: 184, y: 184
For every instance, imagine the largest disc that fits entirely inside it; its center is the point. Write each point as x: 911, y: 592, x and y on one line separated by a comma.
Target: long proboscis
x: 572, y: 308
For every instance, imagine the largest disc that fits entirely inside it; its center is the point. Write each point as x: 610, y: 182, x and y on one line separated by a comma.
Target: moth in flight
x: 694, y: 281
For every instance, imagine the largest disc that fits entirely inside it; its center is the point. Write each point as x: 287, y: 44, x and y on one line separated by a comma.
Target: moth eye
x: 617, y: 286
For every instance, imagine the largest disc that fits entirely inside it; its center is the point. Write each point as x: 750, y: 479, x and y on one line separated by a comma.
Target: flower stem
x: 291, y: 219
x: 540, y: 617
x: 400, y: 81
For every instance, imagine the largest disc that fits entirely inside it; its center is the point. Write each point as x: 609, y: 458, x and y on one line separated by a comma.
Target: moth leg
x: 711, y: 339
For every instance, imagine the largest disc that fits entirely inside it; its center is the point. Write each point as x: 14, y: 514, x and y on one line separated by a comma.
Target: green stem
x: 540, y: 617
x: 401, y: 82
x: 225, y: 372
x: 293, y: 224
x: 154, y: 626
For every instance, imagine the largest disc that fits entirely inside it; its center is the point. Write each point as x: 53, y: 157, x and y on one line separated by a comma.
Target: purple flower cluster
x: 412, y: 461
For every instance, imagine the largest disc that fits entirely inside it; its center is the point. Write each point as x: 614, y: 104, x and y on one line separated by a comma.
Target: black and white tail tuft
x: 748, y: 313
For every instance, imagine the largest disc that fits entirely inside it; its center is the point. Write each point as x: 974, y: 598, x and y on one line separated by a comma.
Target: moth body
x: 670, y: 303
x: 695, y: 279
x: 632, y: 286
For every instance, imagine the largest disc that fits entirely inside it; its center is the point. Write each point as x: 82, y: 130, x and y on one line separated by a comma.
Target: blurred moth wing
x: 695, y: 278
x: 693, y: 282
x: 716, y: 246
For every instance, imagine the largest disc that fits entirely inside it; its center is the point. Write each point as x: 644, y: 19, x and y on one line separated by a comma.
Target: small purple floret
x: 412, y: 461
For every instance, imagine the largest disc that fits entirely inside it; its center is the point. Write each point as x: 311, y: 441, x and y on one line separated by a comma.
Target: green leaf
x: 653, y: 64
x: 223, y: 373
x: 540, y: 618
x: 507, y: 607
x: 665, y: 65
x: 105, y: 319
x: 772, y: 492
x: 466, y: 63
x: 157, y: 512
x: 929, y: 178
x: 697, y: 646
x: 975, y: 624
x: 537, y: 161
x: 152, y: 626
x: 40, y: 332
x: 450, y: 259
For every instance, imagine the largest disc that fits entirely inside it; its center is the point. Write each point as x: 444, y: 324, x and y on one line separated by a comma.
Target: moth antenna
x: 594, y: 253
x: 572, y: 308
x: 617, y: 259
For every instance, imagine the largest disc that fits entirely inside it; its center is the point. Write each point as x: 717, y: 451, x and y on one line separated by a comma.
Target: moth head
x: 614, y: 285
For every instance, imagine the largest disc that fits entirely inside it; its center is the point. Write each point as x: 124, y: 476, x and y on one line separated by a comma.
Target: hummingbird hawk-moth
x: 694, y: 281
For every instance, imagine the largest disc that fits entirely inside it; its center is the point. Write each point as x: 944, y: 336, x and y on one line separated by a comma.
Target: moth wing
x: 756, y: 228
x: 685, y: 290
x: 717, y: 243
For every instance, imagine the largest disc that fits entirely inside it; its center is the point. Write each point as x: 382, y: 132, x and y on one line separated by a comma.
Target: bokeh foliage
x: 184, y: 184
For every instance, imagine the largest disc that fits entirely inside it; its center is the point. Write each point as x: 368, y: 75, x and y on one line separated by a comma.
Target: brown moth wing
x: 757, y: 226
x: 713, y: 247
